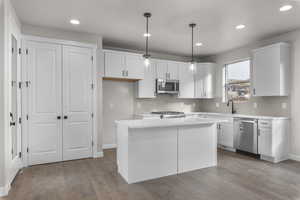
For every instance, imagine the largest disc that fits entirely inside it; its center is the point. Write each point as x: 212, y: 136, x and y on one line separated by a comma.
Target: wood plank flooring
x: 237, y: 177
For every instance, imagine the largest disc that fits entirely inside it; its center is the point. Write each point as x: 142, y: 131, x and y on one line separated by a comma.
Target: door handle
x: 12, y: 123
x: 58, y: 117
x: 65, y: 117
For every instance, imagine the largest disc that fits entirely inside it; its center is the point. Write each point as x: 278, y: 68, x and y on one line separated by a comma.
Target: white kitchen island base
x: 149, y: 149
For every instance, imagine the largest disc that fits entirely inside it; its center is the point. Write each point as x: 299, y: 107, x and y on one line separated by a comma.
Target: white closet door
x: 77, y: 103
x: 45, y: 129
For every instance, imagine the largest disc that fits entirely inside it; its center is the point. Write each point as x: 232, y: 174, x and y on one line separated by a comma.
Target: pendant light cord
x: 192, y: 43
x: 147, y: 36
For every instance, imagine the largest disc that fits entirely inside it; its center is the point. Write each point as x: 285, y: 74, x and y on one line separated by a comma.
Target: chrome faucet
x: 233, y: 111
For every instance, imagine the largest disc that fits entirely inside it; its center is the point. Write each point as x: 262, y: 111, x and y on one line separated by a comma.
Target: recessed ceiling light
x: 75, y: 21
x: 241, y: 26
x: 147, y: 35
x: 285, y: 8
x: 198, y: 44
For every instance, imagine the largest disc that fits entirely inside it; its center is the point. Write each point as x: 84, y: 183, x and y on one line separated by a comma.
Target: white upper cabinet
x: 173, y: 70
x: 270, y: 76
x: 161, y: 69
x: 186, y: 81
x: 123, y: 65
x: 146, y: 87
x: 167, y: 69
x: 135, y: 66
x: 205, y: 83
x: 114, y: 64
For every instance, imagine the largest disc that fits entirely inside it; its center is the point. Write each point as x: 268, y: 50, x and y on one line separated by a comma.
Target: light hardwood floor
x: 237, y: 177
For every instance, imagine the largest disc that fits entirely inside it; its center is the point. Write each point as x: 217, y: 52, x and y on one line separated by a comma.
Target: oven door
x: 167, y: 87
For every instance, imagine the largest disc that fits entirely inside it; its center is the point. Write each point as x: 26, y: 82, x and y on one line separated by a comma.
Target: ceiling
x: 121, y: 22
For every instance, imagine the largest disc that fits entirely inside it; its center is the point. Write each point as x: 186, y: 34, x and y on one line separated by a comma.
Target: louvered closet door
x: 44, y: 64
x: 77, y: 103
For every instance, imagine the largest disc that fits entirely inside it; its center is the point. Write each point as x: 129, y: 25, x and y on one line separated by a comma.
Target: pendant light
x: 147, y: 35
x: 192, y: 64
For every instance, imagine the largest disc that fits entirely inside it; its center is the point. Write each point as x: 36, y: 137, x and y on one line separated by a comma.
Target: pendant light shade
x: 147, y: 35
x: 192, y: 64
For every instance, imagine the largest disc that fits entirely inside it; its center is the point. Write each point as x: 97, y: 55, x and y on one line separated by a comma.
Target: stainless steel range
x: 169, y: 114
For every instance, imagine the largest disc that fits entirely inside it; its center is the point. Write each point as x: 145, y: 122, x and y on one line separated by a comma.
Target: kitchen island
x: 153, y: 148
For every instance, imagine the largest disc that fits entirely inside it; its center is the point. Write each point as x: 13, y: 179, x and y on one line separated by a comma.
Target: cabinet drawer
x: 265, y: 124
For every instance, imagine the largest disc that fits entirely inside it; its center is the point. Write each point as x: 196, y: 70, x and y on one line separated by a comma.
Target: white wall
x: 267, y: 105
x: 119, y: 102
x: 2, y: 181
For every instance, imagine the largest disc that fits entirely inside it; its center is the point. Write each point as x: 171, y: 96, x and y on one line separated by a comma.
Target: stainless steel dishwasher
x: 246, y: 137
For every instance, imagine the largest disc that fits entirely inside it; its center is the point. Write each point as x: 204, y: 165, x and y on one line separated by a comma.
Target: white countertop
x: 238, y: 115
x: 210, y: 114
x: 173, y: 122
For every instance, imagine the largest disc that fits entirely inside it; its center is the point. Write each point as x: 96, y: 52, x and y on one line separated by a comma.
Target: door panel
x: 114, y: 64
x: 135, y: 66
x: 77, y: 101
x: 45, y: 130
x: 187, y: 83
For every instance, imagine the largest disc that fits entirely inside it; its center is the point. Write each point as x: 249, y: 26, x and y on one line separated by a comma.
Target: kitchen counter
x: 153, y: 148
x: 172, y: 122
x: 238, y: 115
x: 211, y: 114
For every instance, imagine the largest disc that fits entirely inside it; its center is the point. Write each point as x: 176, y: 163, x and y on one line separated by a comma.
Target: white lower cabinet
x: 226, y: 133
x: 59, y: 102
x: 273, y: 139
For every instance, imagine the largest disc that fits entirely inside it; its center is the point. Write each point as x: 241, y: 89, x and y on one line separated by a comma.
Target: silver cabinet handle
x: 126, y: 72
x: 122, y: 72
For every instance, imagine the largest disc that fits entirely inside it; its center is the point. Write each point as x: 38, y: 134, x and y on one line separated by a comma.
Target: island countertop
x: 172, y: 122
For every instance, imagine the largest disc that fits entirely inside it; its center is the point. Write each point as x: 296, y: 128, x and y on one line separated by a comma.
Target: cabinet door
x: 114, y: 64
x: 44, y: 64
x: 199, y: 81
x: 161, y: 69
x: 226, y: 134
x: 146, y: 87
x: 134, y: 66
x: 186, y: 81
x: 265, y: 141
x: 173, y: 70
x: 209, y: 80
x: 77, y: 103
x: 266, y: 71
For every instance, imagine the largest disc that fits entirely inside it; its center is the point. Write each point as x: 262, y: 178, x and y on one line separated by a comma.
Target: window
x: 236, y: 84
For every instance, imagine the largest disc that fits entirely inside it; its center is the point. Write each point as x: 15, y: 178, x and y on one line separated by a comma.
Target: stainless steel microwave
x: 167, y: 86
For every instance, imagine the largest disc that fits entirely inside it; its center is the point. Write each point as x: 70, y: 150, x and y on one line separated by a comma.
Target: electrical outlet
x: 284, y: 105
x: 255, y: 105
x: 217, y: 105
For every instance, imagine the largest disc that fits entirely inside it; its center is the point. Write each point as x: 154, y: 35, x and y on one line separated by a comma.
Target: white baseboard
x: 4, y: 190
x: 98, y: 154
x: 109, y: 146
x: 294, y: 157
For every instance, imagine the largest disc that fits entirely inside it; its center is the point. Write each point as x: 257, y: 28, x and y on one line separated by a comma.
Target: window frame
x: 224, y: 78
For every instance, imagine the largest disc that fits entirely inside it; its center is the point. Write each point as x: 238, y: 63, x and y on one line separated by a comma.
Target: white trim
x: 4, y: 190
x: 58, y: 41
x: 98, y: 154
x: 109, y: 146
x: 95, y: 104
x: 294, y: 157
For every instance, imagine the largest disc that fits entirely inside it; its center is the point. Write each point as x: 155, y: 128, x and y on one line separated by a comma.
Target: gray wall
x: 2, y: 181
x: 119, y: 102
x: 266, y: 105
